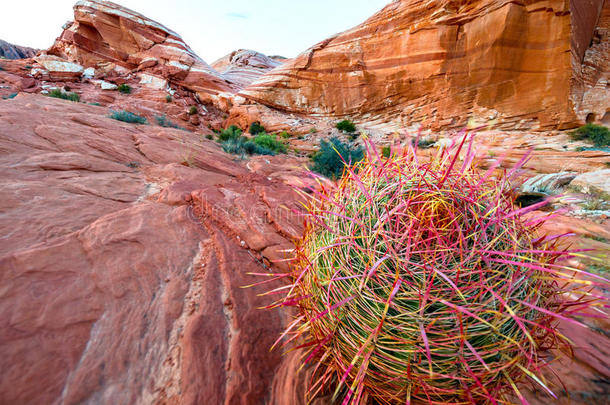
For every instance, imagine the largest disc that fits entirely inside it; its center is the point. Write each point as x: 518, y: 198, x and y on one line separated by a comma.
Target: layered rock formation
x: 244, y: 66
x: 105, y: 33
x: 10, y: 51
x: 445, y: 62
x: 591, y: 93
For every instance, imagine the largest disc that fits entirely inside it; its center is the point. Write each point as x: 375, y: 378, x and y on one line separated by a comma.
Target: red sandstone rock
x: 104, y: 32
x: 117, y: 288
x: 442, y: 62
x: 244, y: 66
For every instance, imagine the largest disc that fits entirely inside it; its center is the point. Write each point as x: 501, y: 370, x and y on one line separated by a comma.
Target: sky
x: 212, y: 28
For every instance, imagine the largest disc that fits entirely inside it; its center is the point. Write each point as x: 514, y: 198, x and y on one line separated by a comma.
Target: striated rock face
x: 10, y: 51
x: 591, y: 93
x: 445, y: 62
x: 124, y: 252
x: 244, y: 66
x: 104, y: 32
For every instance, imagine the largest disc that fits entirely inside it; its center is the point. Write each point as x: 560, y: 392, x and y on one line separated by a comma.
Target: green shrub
x: 168, y: 99
x: 124, y: 88
x: 269, y: 142
x: 256, y: 128
x: 386, y: 151
x: 425, y: 143
x: 95, y: 104
x: 193, y: 110
x: 10, y: 96
x: 233, y: 132
x: 234, y: 146
x: 598, y: 134
x: 163, y: 121
x: 209, y: 136
x: 242, y: 146
x: 285, y: 135
x: 57, y: 93
x: 313, y: 130
x: 253, y: 148
x: 346, y: 126
x: 127, y: 116
x: 333, y: 155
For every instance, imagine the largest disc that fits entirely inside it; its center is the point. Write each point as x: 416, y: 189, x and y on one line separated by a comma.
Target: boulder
x: 60, y: 69
x: 244, y: 66
x: 597, y: 183
x: 108, y: 86
x: 104, y: 32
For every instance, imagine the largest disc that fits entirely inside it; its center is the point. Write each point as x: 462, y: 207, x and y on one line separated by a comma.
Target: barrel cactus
x: 419, y: 281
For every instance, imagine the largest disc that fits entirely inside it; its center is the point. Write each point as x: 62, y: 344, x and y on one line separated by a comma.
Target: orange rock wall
x: 442, y: 62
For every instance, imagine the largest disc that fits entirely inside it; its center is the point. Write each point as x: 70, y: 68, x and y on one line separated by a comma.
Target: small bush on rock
x: 168, y: 99
x: 57, y: 93
x: 346, y: 126
x: 418, y: 281
x: 233, y: 132
x: 256, y: 128
x: 333, y: 157
x: 10, y: 96
x: 163, y: 121
x: 270, y: 143
x: 124, y: 88
x: 127, y: 116
x: 598, y: 134
x: 193, y: 110
x: 386, y: 151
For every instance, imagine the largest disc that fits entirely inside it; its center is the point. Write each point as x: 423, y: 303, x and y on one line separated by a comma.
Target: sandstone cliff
x: 10, y: 51
x: 104, y: 32
x: 244, y: 66
x: 443, y: 62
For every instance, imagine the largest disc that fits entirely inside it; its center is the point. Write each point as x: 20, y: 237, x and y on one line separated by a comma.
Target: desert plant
x: 10, y: 96
x: 420, y: 282
x: 598, y: 134
x: 193, y: 110
x: 169, y: 99
x: 209, y: 136
x: 256, y: 128
x: 163, y: 121
x: 243, y: 146
x: 386, y: 151
x: 285, y: 135
x: 57, y: 93
x: 346, y: 126
x: 269, y: 142
x: 124, y: 88
x: 333, y: 157
x: 127, y: 116
x: 232, y: 132
x: 313, y: 130
x: 95, y: 104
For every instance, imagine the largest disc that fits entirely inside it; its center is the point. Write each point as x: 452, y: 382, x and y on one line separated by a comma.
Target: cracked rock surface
x: 123, y: 256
